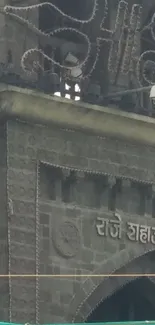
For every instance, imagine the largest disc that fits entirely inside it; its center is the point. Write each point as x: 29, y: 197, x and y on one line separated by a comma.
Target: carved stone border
x: 37, y: 248
x: 94, y: 290
x: 95, y: 172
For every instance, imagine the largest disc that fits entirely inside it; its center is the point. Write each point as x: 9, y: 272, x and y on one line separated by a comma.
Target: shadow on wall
x: 134, y: 302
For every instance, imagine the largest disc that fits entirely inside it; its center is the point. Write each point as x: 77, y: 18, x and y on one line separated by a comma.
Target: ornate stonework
x: 66, y: 239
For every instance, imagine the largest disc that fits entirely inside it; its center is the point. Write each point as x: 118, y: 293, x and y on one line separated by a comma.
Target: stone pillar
x: 105, y: 194
x: 77, y: 189
x: 65, y: 186
x: 4, y: 219
x: 134, y: 199
x: 112, y: 193
x: 146, y: 199
x: 123, y: 197
x: 100, y: 183
x: 23, y: 193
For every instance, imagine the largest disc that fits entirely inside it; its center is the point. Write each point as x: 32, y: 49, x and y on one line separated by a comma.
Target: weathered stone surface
x: 22, y: 222
x: 21, y: 265
x: 20, y: 250
x: 4, y: 314
x: 21, y: 163
x: 24, y: 207
x: 113, y: 152
x: 35, y: 209
x: 23, y: 236
x: 21, y: 315
x: 4, y: 285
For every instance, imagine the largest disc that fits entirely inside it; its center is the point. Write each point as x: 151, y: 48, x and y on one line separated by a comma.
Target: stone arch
x: 94, y: 290
x: 142, y: 289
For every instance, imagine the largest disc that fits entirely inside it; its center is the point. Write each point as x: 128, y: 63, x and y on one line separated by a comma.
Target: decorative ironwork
x: 124, y: 57
x: 132, y: 28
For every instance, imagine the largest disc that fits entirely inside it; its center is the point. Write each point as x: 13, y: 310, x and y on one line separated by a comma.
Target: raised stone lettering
x: 153, y: 235
x: 133, y: 233
x: 102, y: 228
x: 144, y: 234
x: 115, y: 227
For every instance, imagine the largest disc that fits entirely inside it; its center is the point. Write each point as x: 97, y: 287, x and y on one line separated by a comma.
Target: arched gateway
x: 97, y: 290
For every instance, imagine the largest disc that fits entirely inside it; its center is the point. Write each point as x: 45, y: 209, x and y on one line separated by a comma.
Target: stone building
x: 77, y: 206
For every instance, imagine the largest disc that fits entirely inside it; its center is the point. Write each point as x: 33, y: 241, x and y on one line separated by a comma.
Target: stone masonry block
x: 24, y: 207
x: 22, y: 315
x: 22, y: 163
x: 23, y: 237
x: 73, y: 161
x: 22, y: 222
x: 20, y: 250
x: 22, y: 265
x: 4, y: 314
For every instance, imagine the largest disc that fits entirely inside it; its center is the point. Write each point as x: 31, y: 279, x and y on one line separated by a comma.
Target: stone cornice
x: 35, y: 107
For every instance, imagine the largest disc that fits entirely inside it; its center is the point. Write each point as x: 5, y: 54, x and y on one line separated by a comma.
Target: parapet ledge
x: 35, y: 107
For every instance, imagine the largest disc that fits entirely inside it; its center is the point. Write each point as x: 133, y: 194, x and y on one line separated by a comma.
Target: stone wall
x: 22, y: 184
x: 4, y: 285
x: 60, y: 182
